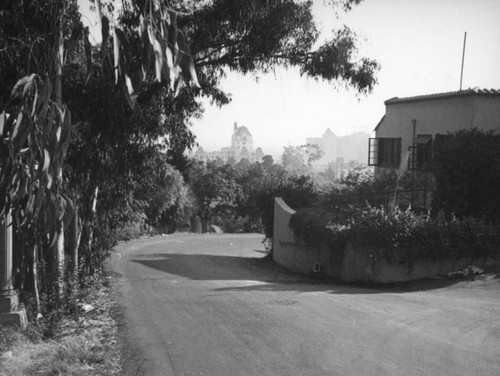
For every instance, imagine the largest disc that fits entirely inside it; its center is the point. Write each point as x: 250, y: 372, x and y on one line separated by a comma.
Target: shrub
x: 466, y: 165
x: 297, y: 191
x: 414, y: 237
x: 313, y: 230
x: 423, y: 237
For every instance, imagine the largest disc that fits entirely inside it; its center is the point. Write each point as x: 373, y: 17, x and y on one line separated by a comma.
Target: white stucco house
x: 405, y: 134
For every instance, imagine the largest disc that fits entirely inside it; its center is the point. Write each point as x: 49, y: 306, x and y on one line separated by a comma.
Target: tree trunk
x: 58, y: 259
x: 57, y: 269
x: 195, y: 224
x: 205, y: 225
x: 36, y: 282
x: 91, y: 220
x: 74, y: 236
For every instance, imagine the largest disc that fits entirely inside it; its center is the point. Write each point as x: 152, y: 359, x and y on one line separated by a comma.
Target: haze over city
x: 418, y: 45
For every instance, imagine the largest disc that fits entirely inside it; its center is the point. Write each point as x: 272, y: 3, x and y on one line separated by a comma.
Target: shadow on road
x: 272, y: 277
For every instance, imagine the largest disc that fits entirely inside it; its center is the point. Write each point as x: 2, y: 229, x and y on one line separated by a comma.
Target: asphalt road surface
x: 212, y: 305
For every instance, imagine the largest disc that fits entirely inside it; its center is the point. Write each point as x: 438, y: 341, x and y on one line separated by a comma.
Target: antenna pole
x: 463, y: 56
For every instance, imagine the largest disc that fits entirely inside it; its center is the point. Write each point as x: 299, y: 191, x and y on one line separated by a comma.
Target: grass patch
x: 84, y: 344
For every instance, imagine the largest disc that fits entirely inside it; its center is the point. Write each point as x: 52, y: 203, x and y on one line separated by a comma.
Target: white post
x: 9, y: 311
x: 6, y: 257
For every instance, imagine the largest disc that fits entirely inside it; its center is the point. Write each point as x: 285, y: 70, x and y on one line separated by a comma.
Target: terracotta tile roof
x: 451, y: 94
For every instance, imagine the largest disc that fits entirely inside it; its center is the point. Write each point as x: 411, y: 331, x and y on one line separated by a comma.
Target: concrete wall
x: 486, y: 113
x: 365, y: 264
x: 293, y: 254
x: 360, y: 263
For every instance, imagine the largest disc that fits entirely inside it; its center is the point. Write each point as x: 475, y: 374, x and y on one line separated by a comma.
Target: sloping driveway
x: 212, y: 305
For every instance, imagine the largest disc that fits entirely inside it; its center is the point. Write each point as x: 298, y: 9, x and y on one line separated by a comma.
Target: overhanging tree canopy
x: 249, y: 35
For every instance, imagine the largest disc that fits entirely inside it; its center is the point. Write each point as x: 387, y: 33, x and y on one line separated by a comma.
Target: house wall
x: 486, y: 113
x: 438, y: 116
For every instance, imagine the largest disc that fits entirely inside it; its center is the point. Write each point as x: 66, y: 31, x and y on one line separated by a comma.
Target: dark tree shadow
x: 201, y: 267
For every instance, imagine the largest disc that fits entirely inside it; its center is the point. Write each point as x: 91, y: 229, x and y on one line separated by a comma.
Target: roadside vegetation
x: 84, y: 341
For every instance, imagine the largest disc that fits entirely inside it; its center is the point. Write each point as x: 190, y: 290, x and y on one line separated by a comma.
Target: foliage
x: 35, y: 139
x: 241, y: 198
x: 215, y: 190
x: 28, y: 41
x: 425, y: 237
x: 83, y: 346
x: 313, y: 152
x: 233, y: 223
x: 402, y: 233
x: 250, y: 35
x: 165, y: 193
x: 358, y: 189
x: 297, y: 190
x: 251, y: 180
x: 466, y: 165
x: 299, y: 159
x: 294, y: 159
x: 312, y: 229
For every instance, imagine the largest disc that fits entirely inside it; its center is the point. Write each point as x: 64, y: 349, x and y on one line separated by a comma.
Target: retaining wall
x: 359, y: 264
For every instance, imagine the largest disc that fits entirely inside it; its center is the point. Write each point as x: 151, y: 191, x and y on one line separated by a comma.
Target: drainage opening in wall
x: 316, y: 267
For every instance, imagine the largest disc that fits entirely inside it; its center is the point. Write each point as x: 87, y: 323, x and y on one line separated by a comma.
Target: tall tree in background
x: 294, y: 159
x: 215, y: 190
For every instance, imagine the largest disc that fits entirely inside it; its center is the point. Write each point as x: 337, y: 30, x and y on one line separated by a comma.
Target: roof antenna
x: 463, y: 56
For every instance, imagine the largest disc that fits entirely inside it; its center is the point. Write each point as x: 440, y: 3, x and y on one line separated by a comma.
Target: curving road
x: 212, y: 305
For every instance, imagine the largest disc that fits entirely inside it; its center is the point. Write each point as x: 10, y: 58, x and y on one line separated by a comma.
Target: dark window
x: 384, y: 152
x: 420, y: 153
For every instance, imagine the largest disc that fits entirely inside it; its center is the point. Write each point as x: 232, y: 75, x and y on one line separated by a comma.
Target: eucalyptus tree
x: 35, y: 124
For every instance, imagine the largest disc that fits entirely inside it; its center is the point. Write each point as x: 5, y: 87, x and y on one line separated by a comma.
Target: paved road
x: 211, y: 305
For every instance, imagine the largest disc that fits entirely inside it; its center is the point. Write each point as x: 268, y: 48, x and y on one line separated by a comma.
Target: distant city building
x: 351, y: 149
x: 241, y: 148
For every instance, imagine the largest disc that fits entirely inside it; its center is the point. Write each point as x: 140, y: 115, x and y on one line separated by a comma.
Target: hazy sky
x: 419, y: 46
